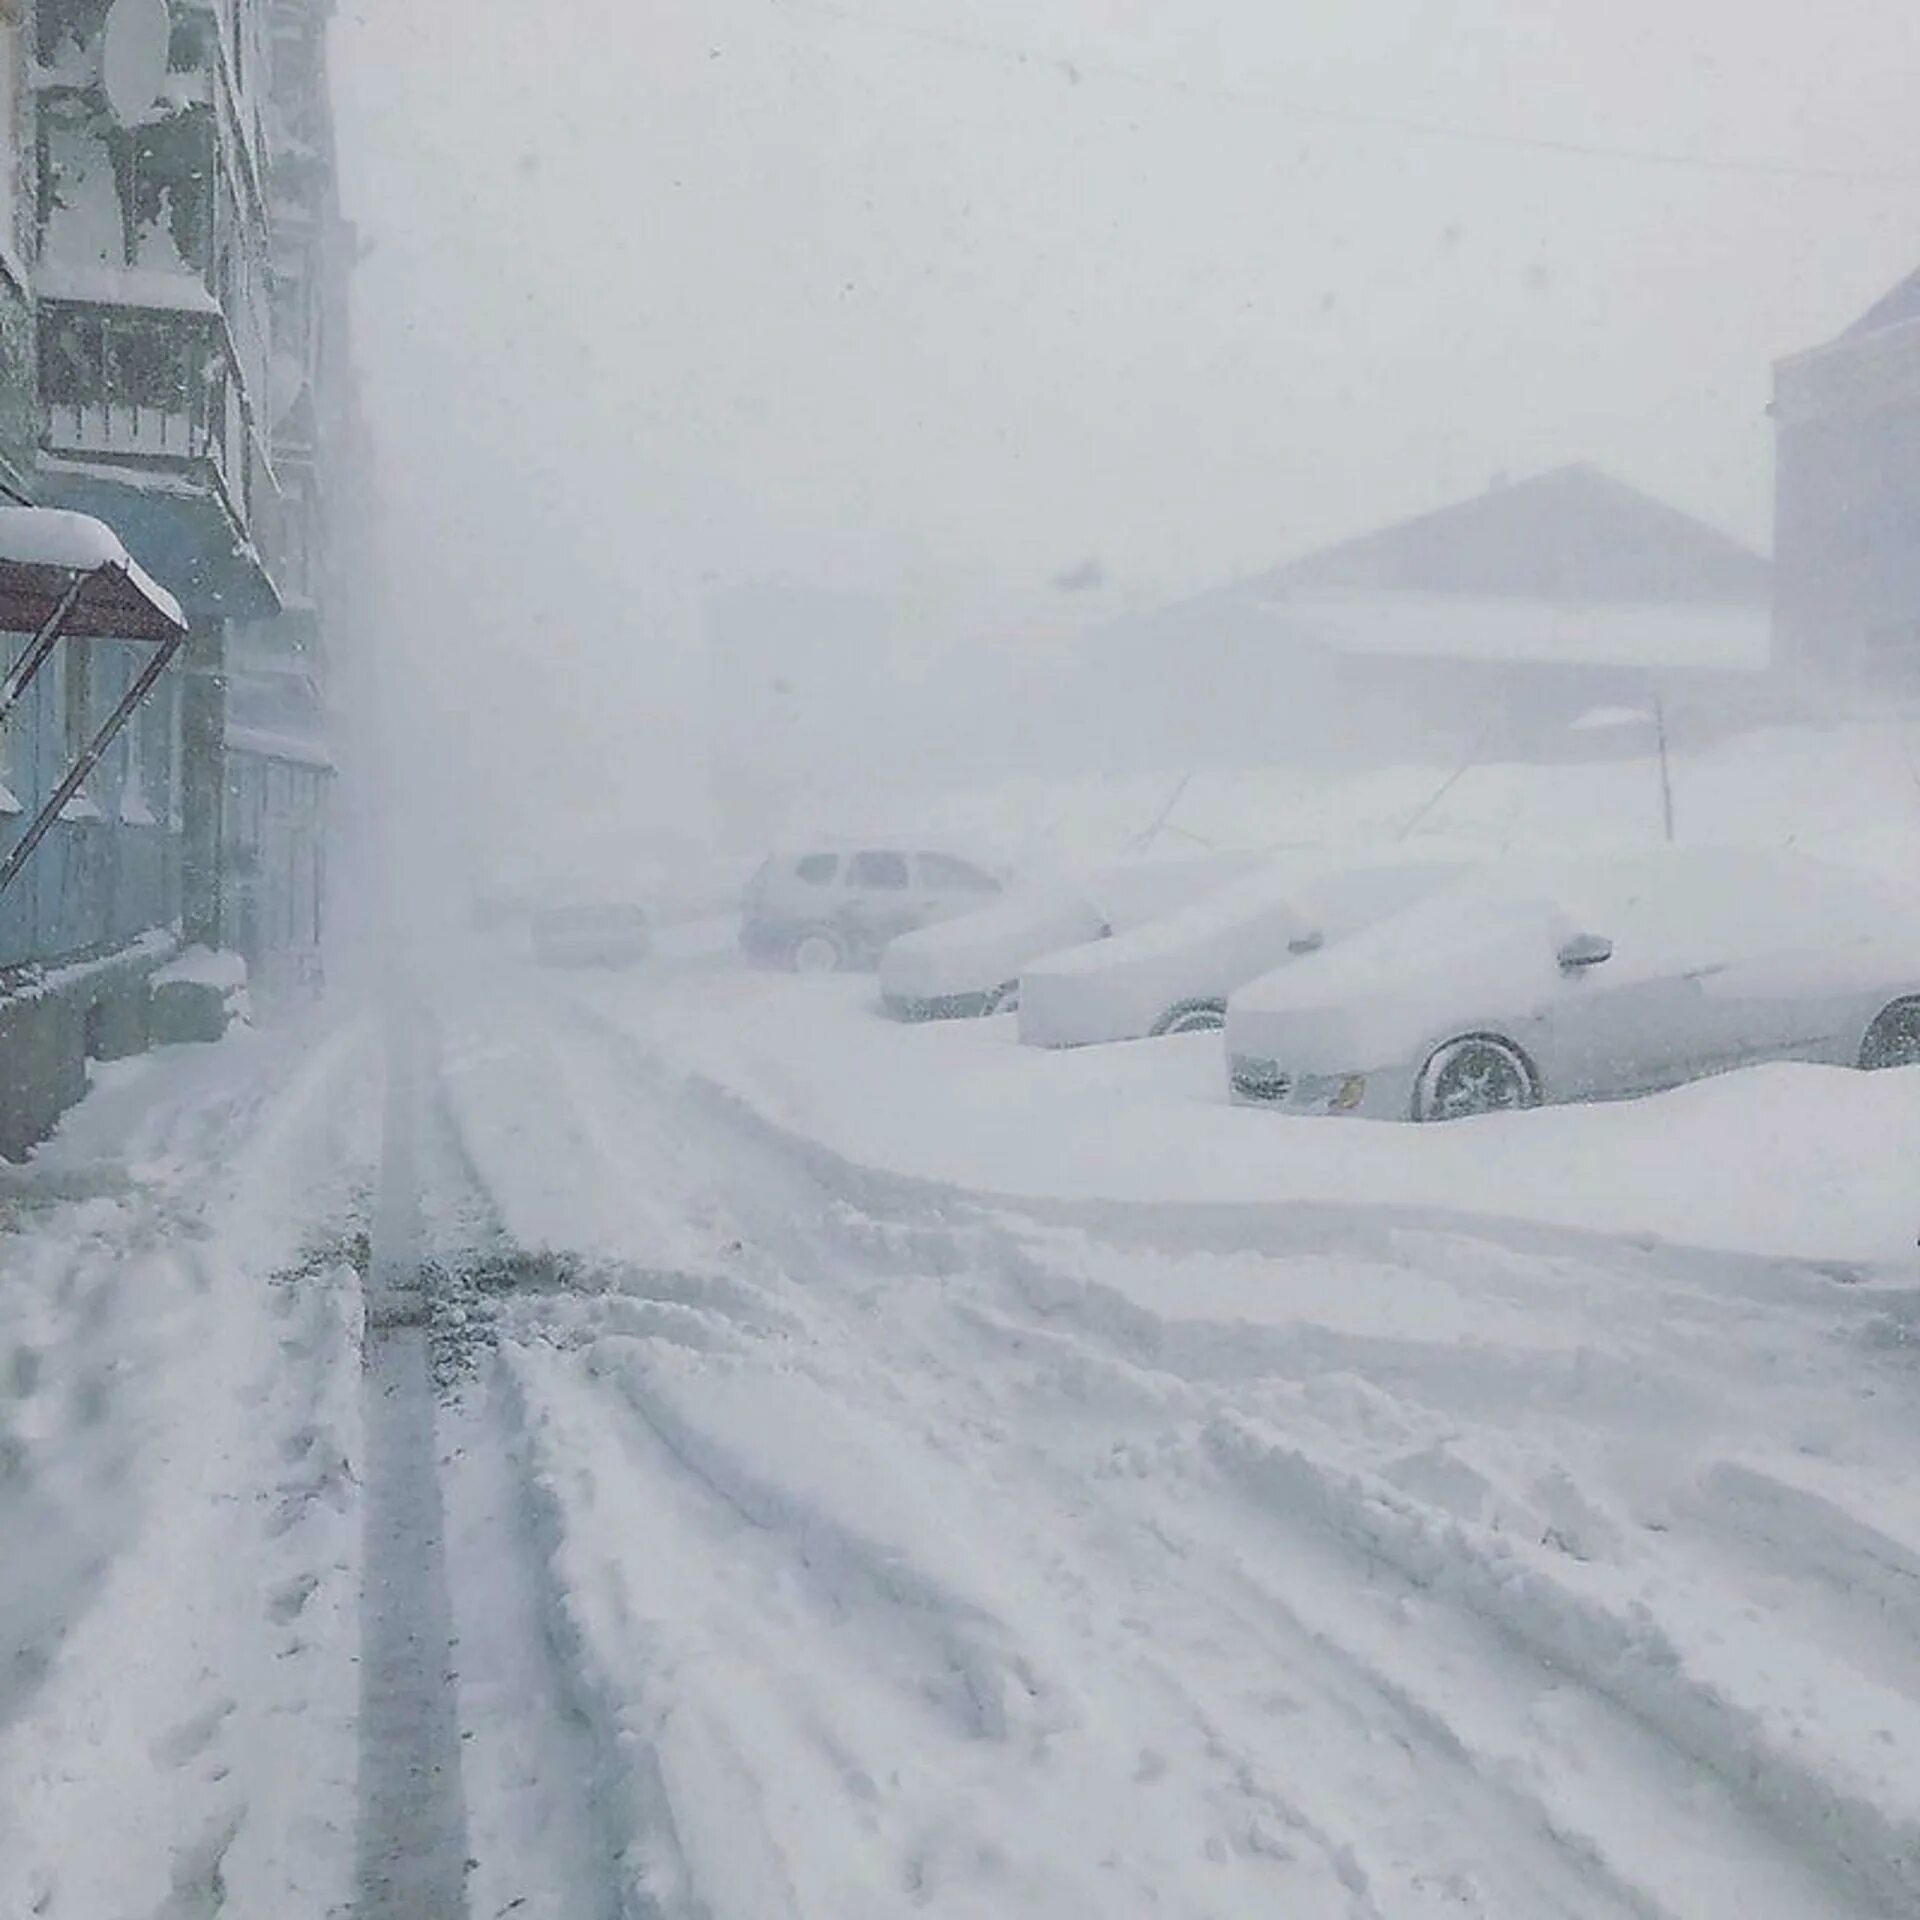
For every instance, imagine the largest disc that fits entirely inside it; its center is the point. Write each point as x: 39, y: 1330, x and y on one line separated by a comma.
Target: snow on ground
x: 1851, y: 791
x: 1808, y: 1161
x: 179, y: 1401
x: 895, y: 1548
x: 886, y: 1469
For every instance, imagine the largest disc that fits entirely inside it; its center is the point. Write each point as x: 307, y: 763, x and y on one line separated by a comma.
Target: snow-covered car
x: 1586, y: 980
x: 1174, y: 974
x: 973, y: 965
x: 598, y: 933
x: 820, y: 909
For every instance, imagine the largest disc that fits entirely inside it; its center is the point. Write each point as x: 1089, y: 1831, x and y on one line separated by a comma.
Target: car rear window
x: 884, y: 870
x: 817, y: 869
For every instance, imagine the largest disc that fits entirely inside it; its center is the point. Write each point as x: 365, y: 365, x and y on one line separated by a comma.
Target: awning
x: 43, y: 551
x: 64, y: 576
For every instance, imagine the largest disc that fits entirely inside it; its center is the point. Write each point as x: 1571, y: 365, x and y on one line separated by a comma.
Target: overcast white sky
x: 662, y: 291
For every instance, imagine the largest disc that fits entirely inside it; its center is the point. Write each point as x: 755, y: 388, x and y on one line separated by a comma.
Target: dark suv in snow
x: 824, y: 908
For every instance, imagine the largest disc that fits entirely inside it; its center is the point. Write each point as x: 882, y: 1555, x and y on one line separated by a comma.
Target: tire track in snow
x: 552, y: 1829
x: 413, y: 1849
x: 1823, y: 1849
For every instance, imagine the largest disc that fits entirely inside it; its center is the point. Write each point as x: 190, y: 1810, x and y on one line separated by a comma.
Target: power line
x: 1075, y: 69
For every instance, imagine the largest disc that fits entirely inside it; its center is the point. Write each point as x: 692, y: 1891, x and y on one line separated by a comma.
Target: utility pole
x: 1666, y: 773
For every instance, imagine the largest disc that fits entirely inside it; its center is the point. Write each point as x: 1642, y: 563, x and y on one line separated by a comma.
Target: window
x: 136, y: 809
x: 76, y: 704
x: 886, y: 871
x: 948, y: 875
x: 79, y: 698
x: 817, y: 869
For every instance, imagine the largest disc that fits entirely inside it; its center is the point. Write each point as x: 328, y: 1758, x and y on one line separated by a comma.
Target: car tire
x: 1475, y: 1074
x: 1192, y: 1016
x: 817, y: 950
x: 1894, y: 1038
x: 1005, y: 998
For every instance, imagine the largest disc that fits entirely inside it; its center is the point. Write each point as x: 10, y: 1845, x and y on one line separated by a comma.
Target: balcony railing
x: 142, y: 384
x: 155, y: 397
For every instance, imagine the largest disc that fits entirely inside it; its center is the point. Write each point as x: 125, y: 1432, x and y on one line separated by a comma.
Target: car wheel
x: 1478, y: 1073
x: 817, y: 951
x: 1192, y: 1016
x: 1005, y: 998
x: 1894, y: 1038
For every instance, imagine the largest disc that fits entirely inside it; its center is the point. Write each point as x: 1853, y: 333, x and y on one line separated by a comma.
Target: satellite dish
x: 133, y: 57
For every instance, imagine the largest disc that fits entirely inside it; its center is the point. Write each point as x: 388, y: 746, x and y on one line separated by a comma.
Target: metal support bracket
x: 20, y: 676
x: 143, y: 684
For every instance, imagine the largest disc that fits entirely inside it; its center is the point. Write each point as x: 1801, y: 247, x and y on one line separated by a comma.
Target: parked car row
x: 1385, y: 987
x: 1403, y: 989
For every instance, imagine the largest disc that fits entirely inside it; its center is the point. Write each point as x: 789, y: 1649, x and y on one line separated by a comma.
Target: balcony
x: 145, y: 421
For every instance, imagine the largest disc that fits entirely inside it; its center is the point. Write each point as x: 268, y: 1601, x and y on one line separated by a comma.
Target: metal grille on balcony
x: 136, y: 383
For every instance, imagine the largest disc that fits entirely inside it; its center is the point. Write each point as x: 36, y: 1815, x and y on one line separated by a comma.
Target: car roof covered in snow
x: 1764, y: 897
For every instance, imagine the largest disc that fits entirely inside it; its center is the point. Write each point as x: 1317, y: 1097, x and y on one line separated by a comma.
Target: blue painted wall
x: 93, y: 884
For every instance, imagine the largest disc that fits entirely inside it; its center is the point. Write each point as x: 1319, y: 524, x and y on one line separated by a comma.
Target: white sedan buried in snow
x: 1587, y: 980
x: 972, y: 965
x: 1174, y: 974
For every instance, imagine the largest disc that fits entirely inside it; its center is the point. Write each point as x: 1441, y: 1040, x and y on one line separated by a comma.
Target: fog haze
x: 949, y: 305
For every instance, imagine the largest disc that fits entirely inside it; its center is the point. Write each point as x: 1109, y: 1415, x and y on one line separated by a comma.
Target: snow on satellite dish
x: 133, y: 57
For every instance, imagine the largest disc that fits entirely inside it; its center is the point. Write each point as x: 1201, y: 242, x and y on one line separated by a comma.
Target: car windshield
x: 959, y: 960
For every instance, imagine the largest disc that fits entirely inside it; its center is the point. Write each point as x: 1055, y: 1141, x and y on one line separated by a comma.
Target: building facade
x: 1494, y: 628
x: 1847, y: 501
x: 172, y: 266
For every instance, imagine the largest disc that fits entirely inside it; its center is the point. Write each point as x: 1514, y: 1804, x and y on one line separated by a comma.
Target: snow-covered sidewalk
x: 179, y: 1403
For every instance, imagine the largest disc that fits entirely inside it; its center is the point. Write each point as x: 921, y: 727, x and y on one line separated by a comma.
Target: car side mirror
x: 1307, y: 942
x: 1585, y: 950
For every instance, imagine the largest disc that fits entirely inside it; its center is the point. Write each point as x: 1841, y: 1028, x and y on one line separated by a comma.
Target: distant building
x: 1847, y: 500
x: 1491, y: 628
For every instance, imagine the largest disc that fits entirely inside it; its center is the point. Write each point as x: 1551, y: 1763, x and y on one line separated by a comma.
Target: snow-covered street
x: 909, y: 1549
x: 820, y: 1538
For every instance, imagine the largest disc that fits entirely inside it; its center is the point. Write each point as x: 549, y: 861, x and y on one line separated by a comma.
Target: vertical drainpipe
x: 203, y: 776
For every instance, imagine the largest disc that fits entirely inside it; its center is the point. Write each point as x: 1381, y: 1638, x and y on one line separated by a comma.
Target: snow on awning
x: 1723, y: 638
x: 43, y: 548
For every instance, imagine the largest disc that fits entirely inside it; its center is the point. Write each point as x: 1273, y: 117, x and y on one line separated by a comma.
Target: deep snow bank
x: 1802, y: 1161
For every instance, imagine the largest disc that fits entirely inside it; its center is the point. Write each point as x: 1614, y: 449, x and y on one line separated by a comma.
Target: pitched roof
x: 1892, y: 309
x: 1573, y: 535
